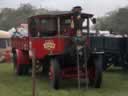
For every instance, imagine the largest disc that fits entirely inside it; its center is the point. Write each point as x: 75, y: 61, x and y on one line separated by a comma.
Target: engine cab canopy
x: 58, y: 23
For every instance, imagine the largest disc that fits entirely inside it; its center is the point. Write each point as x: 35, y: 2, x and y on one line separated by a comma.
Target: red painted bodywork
x: 21, y: 43
x: 40, y: 51
x: 37, y: 44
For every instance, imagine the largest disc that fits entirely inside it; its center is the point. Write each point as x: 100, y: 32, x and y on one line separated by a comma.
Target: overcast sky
x: 97, y: 7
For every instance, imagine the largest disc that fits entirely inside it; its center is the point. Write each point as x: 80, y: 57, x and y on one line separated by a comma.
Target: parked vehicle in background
x: 115, y: 48
x: 5, y: 50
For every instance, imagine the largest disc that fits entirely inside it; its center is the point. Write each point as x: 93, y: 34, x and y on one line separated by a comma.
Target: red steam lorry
x: 60, y: 47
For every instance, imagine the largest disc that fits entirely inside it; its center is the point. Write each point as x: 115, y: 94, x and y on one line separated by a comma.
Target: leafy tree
x: 13, y: 17
x: 116, y: 21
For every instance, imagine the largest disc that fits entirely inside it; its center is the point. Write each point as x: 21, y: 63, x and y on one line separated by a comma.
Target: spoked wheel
x: 14, y: 60
x: 22, y: 69
x: 18, y: 68
x: 107, y: 61
x: 55, y: 74
x: 38, y: 68
x: 125, y: 63
x: 98, y: 71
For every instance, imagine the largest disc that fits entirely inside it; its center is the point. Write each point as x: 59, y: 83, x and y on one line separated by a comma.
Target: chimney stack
x: 77, y: 9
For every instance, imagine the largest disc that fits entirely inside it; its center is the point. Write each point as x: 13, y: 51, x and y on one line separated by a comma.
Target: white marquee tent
x: 4, y: 34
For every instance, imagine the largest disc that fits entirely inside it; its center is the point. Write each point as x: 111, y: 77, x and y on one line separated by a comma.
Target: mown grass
x: 115, y: 83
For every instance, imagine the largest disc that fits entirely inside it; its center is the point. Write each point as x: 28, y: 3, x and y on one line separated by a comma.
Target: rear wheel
x: 107, y: 61
x: 55, y: 73
x: 22, y: 69
x: 14, y: 60
x: 98, y: 71
x: 125, y: 63
x: 19, y: 69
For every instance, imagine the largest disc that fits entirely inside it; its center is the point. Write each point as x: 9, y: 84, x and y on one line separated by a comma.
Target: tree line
x: 115, y: 21
x: 10, y: 17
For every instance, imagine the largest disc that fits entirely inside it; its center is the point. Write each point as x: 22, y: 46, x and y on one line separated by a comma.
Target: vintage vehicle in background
x: 5, y: 50
x: 114, y: 48
x: 57, y: 42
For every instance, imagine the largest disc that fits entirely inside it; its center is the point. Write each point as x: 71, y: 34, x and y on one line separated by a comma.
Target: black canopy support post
x: 88, y: 27
x: 78, y: 69
x: 33, y: 73
x: 86, y: 54
x: 58, y: 26
x: 86, y: 67
x: 58, y: 31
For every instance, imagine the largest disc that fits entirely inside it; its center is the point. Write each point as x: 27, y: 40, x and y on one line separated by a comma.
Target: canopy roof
x: 61, y: 14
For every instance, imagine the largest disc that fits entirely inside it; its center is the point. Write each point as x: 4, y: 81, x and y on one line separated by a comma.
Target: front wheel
x: 55, y: 73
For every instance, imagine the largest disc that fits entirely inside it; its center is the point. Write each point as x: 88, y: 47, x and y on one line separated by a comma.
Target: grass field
x: 115, y: 83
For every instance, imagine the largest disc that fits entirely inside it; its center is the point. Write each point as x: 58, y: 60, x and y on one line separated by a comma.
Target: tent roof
x: 4, y: 34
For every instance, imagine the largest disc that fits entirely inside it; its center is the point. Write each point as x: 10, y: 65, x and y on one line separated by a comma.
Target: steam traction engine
x: 60, y: 47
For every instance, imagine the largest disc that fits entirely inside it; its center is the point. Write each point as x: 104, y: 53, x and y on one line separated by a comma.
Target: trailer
x: 114, y: 48
x: 60, y: 48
